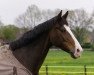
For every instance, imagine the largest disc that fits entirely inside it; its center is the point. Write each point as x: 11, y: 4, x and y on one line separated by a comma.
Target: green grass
x: 61, y: 58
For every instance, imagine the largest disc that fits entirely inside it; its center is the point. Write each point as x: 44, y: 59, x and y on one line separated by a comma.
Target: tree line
x: 81, y: 23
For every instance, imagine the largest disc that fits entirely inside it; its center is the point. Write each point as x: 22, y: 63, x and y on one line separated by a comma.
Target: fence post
x: 46, y: 69
x: 85, y: 70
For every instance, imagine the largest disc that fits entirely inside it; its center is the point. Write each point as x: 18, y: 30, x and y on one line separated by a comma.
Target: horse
x: 28, y: 53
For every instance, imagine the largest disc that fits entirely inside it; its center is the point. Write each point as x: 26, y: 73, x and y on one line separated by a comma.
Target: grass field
x: 60, y: 58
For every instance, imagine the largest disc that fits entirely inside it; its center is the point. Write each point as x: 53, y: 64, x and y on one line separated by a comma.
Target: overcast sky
x: 10, y: 9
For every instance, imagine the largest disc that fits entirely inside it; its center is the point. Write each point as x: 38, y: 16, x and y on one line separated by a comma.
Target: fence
x: 85, y: 72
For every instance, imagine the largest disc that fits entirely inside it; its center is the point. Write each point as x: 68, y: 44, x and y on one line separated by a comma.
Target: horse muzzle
x: 76, y: 54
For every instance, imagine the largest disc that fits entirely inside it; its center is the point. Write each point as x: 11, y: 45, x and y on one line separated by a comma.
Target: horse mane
x: 31, y: 35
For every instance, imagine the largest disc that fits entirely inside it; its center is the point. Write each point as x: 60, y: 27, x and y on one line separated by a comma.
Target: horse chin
x: 73, y: 56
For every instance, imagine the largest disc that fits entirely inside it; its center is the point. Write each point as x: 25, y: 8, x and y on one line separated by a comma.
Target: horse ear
x: 59, y: 15
x: 65, y: 15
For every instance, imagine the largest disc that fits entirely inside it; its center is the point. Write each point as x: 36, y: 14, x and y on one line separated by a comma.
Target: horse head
x: 62, y: 37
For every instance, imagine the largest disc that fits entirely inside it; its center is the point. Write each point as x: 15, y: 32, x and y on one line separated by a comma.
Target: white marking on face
x: 77, y: 45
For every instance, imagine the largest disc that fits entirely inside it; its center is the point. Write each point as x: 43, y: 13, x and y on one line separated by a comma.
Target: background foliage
x: 79, y: 20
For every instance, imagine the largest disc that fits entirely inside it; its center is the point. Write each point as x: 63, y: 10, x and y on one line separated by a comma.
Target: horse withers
x: 31, y: 49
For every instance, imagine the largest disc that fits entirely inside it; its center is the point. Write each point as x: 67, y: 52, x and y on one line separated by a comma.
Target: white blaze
x: 77, y: 45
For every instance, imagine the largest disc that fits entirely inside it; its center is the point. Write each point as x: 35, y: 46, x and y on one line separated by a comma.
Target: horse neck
x: 33, y: 55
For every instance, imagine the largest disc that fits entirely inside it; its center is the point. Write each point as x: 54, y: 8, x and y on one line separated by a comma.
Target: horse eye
x: 63, y: 30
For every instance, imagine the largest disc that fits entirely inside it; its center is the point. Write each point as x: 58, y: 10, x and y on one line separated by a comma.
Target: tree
x: 92, y: 25
x: 9, y: 32
x: 79, y: 18
x: 30, y: 18
x: 33, y: 16
x: 80, y: 23
x: 82, y: 34
x: 48, y: 14
x: 1, y: 23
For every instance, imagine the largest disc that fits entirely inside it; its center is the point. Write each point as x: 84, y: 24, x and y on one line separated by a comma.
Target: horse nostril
x: 78, y: 50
